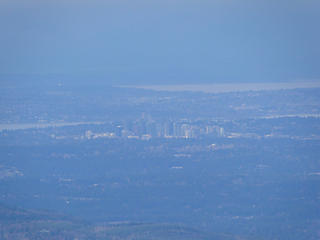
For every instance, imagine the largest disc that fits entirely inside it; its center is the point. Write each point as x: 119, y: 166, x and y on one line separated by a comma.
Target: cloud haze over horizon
x: 154, y: 42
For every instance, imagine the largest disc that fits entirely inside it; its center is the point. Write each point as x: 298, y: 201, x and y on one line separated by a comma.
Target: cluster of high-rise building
x: 148, y: 128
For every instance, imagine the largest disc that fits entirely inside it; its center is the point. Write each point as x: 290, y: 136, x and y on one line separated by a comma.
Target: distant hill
x: 16, y: 223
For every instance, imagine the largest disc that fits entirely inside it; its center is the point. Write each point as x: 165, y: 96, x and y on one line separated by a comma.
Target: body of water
x: 20, y: 126
x: 231, y: 87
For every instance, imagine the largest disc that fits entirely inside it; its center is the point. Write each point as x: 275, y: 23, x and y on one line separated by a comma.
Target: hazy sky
x: 154, y: 42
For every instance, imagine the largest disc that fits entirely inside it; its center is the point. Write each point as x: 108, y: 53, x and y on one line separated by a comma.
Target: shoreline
x: 229, y: 87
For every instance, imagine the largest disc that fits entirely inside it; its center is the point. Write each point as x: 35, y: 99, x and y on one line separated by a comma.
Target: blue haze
x: 159, y: 42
